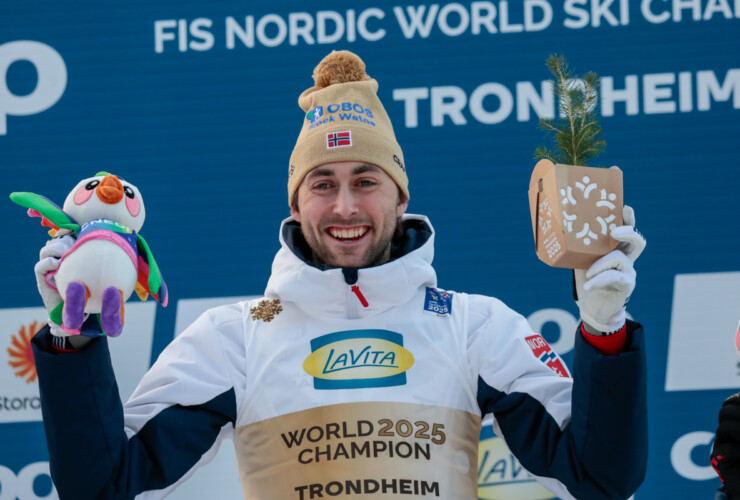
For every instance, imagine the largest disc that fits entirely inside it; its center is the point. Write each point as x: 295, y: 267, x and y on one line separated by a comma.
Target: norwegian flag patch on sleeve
x: 546, y: 355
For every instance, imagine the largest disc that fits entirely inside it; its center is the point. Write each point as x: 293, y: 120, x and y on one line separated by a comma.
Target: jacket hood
x: 326, y: 292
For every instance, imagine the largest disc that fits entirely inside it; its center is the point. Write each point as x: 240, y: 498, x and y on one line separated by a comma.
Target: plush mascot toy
x: 109, y: 259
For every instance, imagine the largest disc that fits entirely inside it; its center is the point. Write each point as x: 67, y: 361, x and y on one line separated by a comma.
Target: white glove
x: 49, y: 258
x: 603, y: 290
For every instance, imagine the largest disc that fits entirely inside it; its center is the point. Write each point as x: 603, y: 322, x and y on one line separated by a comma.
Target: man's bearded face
x: 348, y: 213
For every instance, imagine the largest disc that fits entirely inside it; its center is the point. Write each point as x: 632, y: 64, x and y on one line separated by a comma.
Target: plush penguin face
x: 105, y: 196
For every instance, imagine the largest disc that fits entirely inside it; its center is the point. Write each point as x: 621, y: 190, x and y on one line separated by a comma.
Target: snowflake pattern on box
x: 545, y: 216
x: 550, y: 240
x: 588, y: 192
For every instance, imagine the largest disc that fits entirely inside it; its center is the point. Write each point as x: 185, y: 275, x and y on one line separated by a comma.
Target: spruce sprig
x: 576, y: 131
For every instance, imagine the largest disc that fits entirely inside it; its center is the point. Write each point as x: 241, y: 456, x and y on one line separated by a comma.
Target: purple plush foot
x: 111, y: 312
x: 73, y: 313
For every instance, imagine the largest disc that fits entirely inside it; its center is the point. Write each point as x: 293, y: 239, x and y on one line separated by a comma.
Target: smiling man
x: 356, y: 374
x: 348, y: 213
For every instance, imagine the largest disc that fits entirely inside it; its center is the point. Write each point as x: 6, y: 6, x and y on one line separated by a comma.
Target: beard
x: 376, y: 252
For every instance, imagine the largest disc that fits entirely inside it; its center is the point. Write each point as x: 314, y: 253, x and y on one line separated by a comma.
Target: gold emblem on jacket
x: 266, y: 310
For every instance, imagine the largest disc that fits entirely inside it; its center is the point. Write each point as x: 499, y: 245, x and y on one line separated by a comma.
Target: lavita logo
x: 50, y: 85
x: 358, y: 359
x: 500, y: 475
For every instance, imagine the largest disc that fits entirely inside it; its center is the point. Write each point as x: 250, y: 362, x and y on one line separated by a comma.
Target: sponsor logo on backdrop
x: 19, y: 390
x: 25, y: 485
x: 20, y: 404
x: 688, y: 446
x: 501, y: 476
x: 701, y: 344
x: 20, y: 353
x: 358, y: 359
x: 438, y: 302
x: 51, y: 79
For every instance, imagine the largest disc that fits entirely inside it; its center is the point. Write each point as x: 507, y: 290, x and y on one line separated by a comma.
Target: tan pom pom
x: 339, y: 67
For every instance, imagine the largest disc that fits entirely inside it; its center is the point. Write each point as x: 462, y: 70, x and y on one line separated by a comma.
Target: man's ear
x: 295, y: 212
x: 402, y: 206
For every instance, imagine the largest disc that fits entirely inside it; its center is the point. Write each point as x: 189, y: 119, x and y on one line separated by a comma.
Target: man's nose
x: 345, y: 203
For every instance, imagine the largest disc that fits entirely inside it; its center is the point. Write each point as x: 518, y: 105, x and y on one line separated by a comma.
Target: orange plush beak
x: 110, y: 190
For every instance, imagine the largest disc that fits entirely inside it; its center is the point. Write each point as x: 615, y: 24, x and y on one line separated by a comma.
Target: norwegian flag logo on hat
x: 546, y: 355
x: 338, y: 139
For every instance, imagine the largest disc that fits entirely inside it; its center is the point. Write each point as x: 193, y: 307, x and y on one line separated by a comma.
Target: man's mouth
x: 347, y: 233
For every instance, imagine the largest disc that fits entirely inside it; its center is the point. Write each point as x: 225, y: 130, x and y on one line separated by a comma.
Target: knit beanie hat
x: 345, y: 121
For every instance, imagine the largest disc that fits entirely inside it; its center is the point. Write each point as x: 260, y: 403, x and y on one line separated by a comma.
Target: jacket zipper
x: 351, y: 305
x: 354, y: 295
x: 350, y: 277
x: 356, y: 290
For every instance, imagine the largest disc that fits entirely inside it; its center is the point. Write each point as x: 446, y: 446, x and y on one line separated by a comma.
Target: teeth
x: 345, y: 234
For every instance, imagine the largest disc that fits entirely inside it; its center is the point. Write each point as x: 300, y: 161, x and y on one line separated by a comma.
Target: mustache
x: 342, y: 222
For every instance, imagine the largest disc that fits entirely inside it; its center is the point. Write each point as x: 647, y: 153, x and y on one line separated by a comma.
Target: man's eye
x: 366, y: 182
x: 322, y: 185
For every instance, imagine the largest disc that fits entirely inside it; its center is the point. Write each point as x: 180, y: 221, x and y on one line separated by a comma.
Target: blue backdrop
x: 196, y: 104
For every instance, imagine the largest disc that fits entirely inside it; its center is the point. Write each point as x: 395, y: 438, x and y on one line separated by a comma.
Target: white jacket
x: 331, y: 391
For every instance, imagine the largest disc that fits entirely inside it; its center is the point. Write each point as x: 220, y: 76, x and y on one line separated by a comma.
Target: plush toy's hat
x: 345, y: 121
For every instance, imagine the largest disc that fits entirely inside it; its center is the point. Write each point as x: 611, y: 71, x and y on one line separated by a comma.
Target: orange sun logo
x: 21, y: 356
